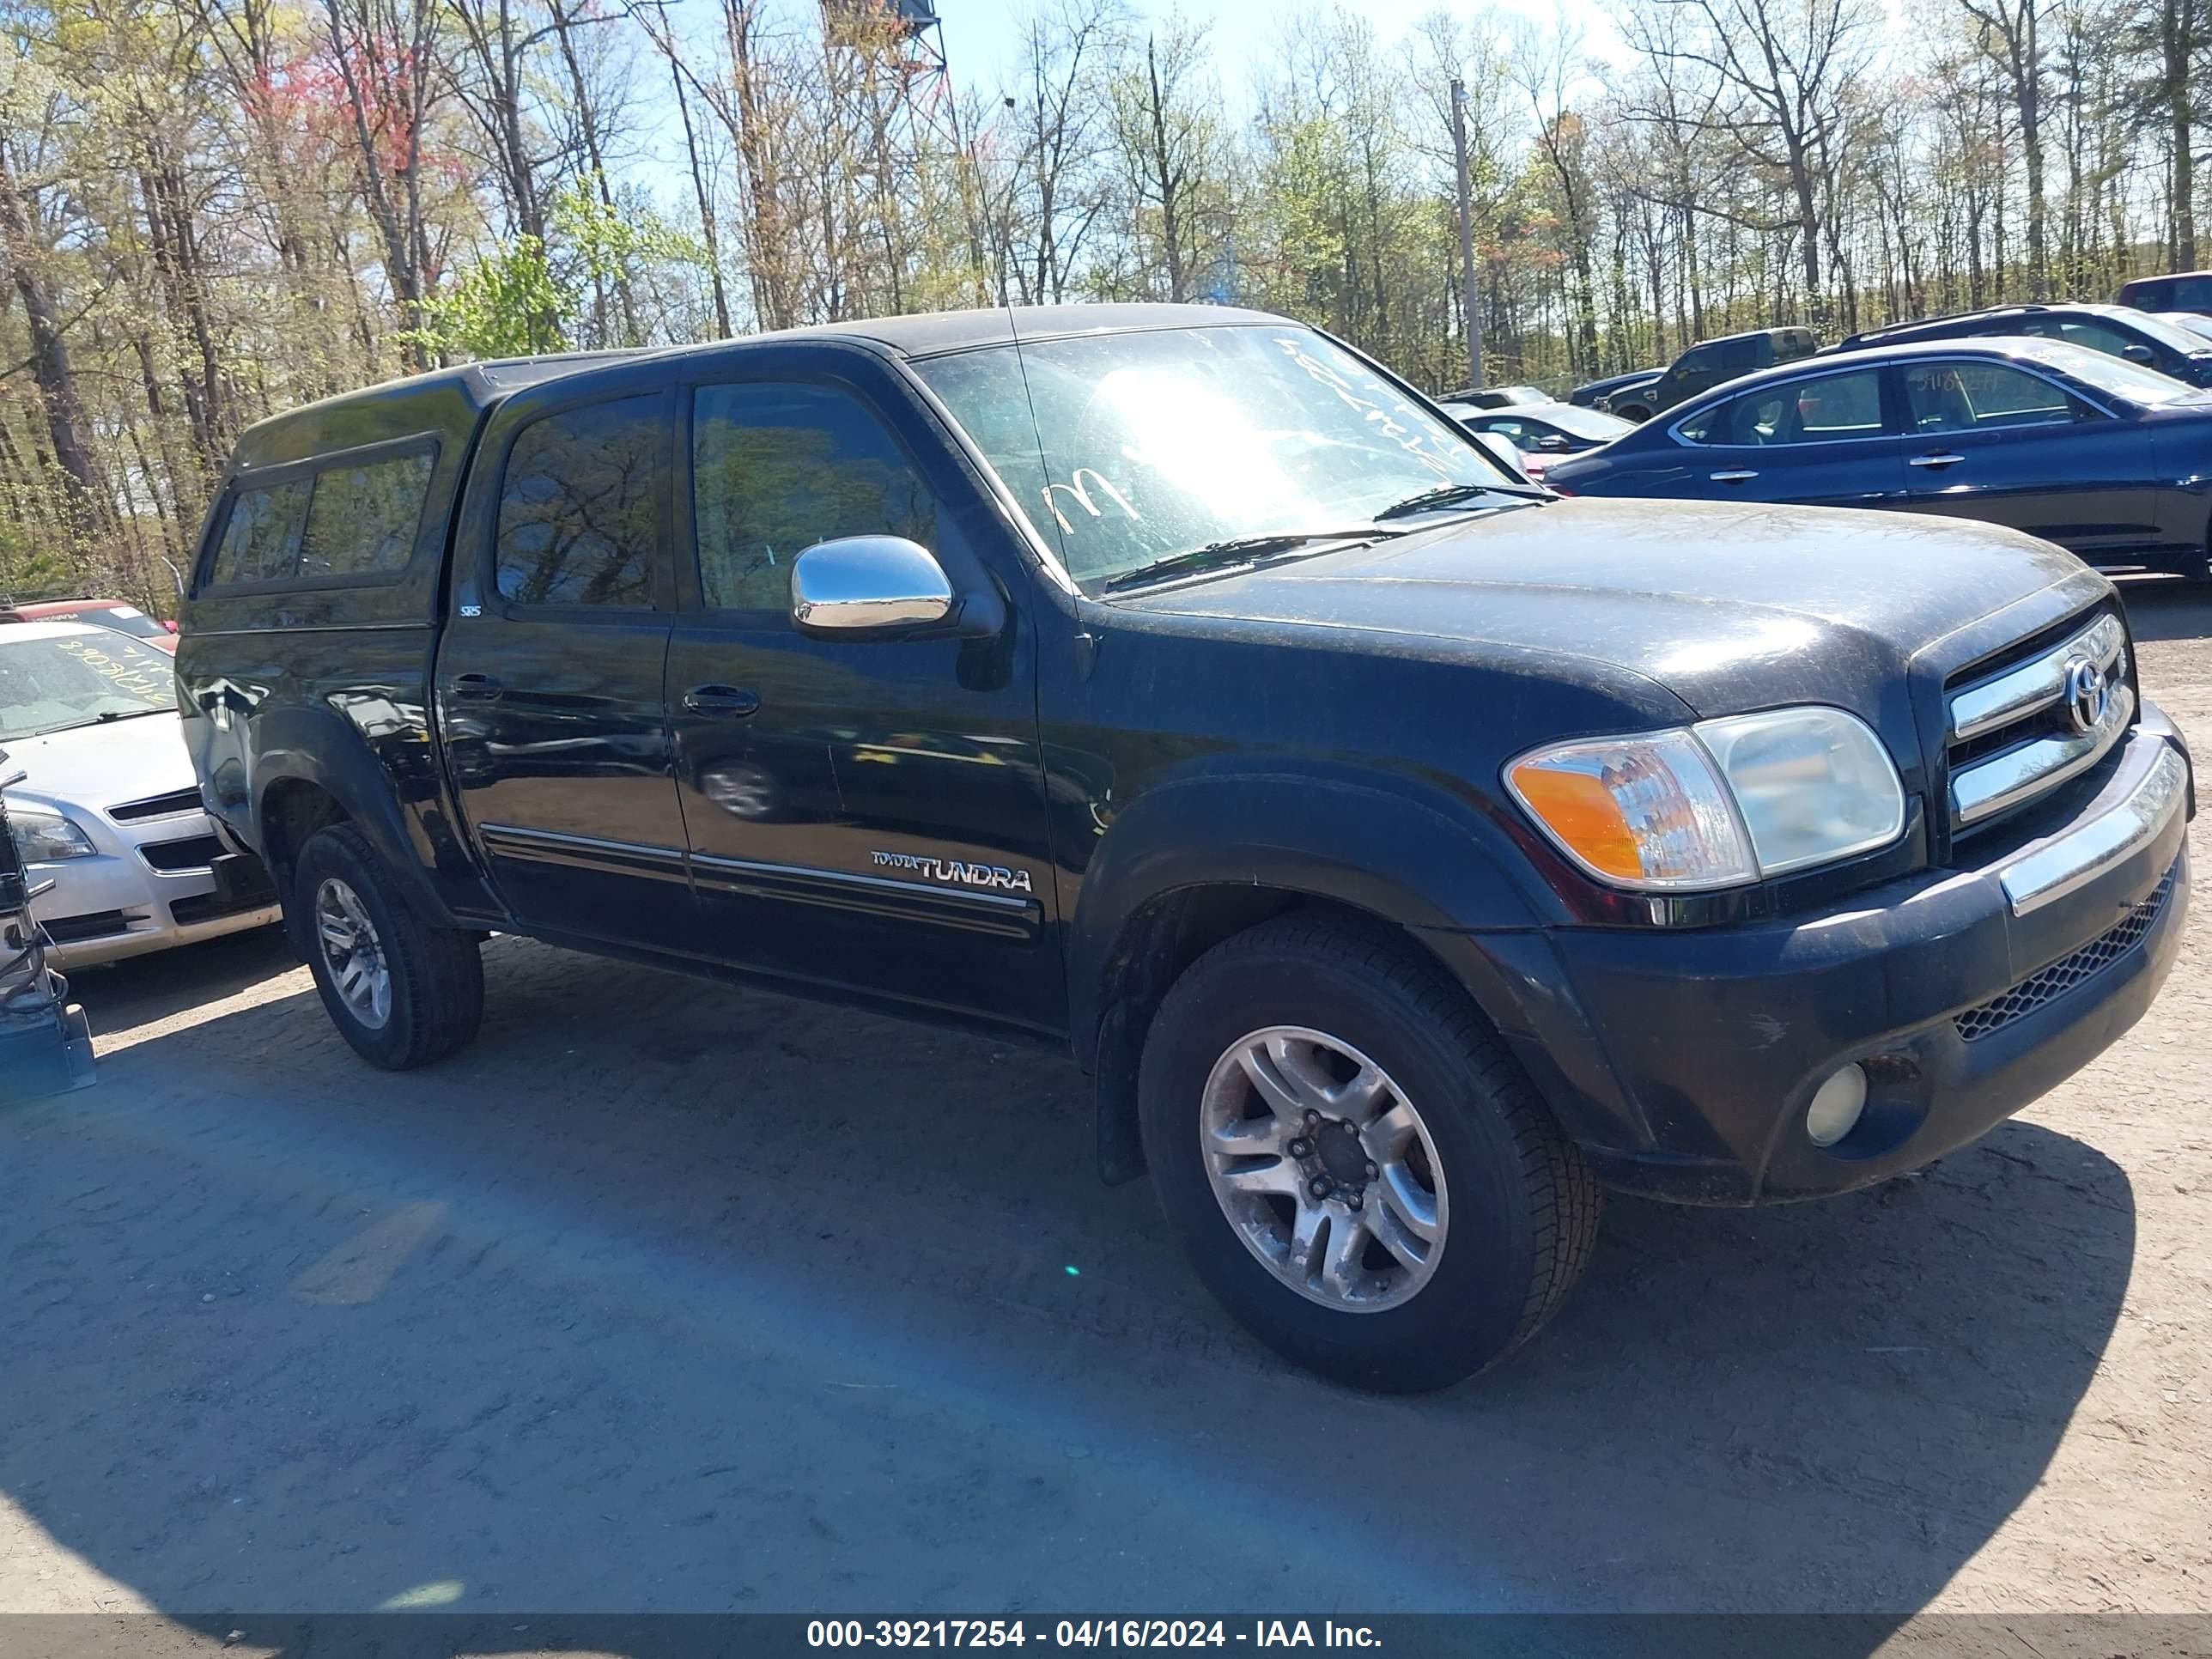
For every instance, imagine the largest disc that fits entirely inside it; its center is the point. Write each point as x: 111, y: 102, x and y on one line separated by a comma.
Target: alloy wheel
x: 1324, y: 1169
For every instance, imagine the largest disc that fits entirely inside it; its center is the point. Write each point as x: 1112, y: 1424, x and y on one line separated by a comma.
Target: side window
x: 363, y: 520
x: 1739, y: 357
x: 1700, y: 360
x: 1969, y: 397
x: 578, y: 508
x: 1518, y: 431
x: 2096, y: 336
x: 1818, y: 409
x: 775, y: 469
x: 261, y: 541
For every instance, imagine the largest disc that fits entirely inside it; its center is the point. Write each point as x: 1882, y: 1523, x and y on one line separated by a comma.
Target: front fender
x: 1448, y: 871
x: 1421, y: 863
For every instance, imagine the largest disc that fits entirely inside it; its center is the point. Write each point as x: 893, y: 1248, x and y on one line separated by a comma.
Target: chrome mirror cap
x: 866, y: 584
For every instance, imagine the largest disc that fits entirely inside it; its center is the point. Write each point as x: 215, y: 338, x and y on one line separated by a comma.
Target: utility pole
x: 1471, y: 298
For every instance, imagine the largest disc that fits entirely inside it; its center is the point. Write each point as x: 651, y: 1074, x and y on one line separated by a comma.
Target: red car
x: 99, y: 613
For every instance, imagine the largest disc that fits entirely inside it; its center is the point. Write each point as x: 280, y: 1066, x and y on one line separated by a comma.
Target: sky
x: 982, y: 37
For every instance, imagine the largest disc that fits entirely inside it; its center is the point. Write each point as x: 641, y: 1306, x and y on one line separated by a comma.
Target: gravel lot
x: 670, y: 1297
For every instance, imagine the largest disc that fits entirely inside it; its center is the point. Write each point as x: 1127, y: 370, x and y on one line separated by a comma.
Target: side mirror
x: 858, y: 585
x: 1551, y: 440
x: 2139, y: 354
x: 1501, y: 450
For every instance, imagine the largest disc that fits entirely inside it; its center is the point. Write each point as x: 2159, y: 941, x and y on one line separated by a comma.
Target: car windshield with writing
x: 55, y: 683
x: 1132, y: 450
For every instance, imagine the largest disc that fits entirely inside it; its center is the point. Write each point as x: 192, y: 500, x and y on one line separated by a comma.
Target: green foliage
x: 507, y: 304
x: 534, y: 295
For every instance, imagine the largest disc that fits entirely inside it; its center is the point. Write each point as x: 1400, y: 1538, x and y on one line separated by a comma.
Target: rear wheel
x: 1353, y: 1162
x: 403, y: 992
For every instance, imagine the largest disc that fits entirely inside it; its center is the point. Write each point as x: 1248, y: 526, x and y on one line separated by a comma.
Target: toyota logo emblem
x: 2087, y: 693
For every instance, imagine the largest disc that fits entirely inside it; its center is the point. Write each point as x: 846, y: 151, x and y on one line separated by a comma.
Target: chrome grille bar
x: 2019, y: 773
x: 2034, y: 685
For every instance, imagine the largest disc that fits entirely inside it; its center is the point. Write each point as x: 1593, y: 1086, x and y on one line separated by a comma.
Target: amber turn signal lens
x: 1581, y: 811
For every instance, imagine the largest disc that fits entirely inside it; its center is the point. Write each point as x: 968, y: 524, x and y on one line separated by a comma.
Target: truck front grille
x: 2076, y: 968
x: 2022, y: 727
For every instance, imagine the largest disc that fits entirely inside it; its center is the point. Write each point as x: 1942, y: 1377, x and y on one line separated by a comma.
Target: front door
x: 1818, y: 439
x: 550, y: 674
x: 1991, y: 442
x: 867, y: 814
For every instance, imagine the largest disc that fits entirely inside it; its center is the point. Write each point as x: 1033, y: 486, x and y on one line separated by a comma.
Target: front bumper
x: 1684, y: 1062
x: 108, y: 907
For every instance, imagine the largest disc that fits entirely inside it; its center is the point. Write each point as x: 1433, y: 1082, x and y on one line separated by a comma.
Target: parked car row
x: 2111, y: 460
x: 102, y: 613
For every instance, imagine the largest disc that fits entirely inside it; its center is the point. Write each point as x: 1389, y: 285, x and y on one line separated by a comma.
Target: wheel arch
x: 313, y: 768
x: 1191, y: 864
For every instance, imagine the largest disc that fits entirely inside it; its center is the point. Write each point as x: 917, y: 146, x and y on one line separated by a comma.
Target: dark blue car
x: 2111, y: 460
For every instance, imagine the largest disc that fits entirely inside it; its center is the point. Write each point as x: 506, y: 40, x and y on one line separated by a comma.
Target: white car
x: 109, y: 809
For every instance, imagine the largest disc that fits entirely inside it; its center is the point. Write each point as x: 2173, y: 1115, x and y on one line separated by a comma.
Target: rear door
x: 1821, y: 439
x: 551, y: 672
x: 863, y: 813
x: 2004, y: 444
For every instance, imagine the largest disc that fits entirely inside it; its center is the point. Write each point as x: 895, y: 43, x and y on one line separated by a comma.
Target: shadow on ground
x: 667, y: 1296
x: 2167, y: 608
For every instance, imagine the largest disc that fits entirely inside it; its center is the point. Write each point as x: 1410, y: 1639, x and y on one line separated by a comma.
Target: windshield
x: 2199, y: 326
x: 1125, y: 449
x: 2117, y: 375
x: 51, y: 683
x: 2173, y: 339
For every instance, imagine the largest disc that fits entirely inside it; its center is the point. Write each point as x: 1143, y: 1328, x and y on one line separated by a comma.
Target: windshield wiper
x: 103, y: 718
x: 1451, y: 495
x: 1237, y: 549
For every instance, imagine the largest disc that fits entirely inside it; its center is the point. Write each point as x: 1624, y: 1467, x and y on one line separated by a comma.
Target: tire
x: 1635, y: 412
x: 1514, y: 1207
x: 433, y: 994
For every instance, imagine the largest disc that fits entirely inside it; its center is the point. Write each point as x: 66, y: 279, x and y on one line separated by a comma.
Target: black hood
x: 1729, y: 606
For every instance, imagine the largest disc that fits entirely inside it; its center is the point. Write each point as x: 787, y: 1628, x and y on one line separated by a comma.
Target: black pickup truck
x: 1408, y: 852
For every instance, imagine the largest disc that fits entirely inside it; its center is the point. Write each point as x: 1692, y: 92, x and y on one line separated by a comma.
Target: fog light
x: 1836, y: 1106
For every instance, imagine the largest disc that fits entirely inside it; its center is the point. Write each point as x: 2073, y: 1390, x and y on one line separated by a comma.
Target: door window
x: 1972, y: 396
x: 1695, y: 367
x: 777, y: 468
x: 578, y: 506
x: 1817, y: 409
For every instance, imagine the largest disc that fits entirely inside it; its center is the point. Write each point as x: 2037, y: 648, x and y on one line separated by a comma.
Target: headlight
x: 1716, y: 805
x: 42, y: 837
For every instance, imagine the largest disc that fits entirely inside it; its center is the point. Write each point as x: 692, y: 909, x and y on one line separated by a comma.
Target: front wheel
x: 1353, y: 1162
x: 403, y: 992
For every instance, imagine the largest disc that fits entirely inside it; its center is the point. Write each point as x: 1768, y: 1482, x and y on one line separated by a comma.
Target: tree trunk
x: 85, y: 489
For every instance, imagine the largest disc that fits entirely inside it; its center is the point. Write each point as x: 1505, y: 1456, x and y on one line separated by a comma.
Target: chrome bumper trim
x: 2065, y: 863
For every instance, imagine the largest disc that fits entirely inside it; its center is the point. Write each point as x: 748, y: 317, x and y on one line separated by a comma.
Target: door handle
x: 477, y: 688
x: 731, y: 702
x: 1737, y: 477
x: 1935, y: 460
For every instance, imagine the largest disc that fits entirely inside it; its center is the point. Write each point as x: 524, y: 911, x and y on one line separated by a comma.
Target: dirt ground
x: 669, y: 1297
